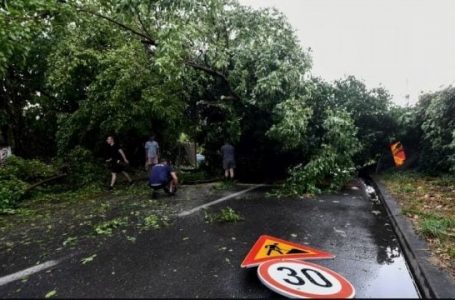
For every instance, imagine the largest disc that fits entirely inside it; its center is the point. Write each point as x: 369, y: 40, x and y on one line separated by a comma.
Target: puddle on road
x: 393, y: 274
x: 391, y: 279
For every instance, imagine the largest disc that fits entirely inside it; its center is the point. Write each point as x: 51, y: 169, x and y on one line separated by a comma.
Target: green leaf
x: 50, y: 294
x: 88, y: 259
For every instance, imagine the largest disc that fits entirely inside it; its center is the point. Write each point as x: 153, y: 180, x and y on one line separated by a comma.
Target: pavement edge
x: 431, y: 281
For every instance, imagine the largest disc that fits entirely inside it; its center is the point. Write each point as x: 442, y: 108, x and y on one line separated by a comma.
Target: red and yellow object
x: 399, y: 156
x: 268, y: 247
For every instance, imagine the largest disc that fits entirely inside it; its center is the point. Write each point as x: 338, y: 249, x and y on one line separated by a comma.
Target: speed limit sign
x: 301, y: 279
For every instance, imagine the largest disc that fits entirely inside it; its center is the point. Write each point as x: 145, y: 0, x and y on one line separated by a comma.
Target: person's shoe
x: 110, y: 188
x: 130, y: 183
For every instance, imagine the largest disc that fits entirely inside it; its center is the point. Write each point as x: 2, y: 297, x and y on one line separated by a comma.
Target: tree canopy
x: 73, y: 72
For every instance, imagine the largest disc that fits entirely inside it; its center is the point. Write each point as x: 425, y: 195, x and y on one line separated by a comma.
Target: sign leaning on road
x: 269, y: 247
x: 298, y: 279
x: 281, y: 270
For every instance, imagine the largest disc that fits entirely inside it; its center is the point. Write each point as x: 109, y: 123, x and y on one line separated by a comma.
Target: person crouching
x: 162, y: 176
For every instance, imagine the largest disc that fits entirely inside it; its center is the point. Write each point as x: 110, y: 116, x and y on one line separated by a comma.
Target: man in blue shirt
x: 162, y: 176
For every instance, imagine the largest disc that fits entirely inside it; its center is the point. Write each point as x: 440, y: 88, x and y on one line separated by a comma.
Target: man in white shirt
x: 151, y: 153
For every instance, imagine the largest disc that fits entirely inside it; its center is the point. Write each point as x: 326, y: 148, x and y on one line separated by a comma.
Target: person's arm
x: 123, y: 155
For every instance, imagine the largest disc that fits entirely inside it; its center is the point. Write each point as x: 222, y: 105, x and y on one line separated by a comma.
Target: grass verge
x: 429, y: 202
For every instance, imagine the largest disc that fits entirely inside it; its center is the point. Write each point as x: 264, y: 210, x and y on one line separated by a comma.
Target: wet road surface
x: 193, y: 258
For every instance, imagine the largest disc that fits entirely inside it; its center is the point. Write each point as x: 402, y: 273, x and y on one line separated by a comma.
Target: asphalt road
x: 195, y: 259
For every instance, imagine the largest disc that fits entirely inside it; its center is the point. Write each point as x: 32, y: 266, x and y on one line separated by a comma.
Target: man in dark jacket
x: 162, y: 176
x: 227, y: 151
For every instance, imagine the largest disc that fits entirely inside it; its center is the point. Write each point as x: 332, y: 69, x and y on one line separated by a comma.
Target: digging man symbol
x: 273, y: 247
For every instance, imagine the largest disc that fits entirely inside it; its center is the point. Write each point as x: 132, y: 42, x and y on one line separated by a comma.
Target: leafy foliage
x: 438, y: 131
x: 225, y: 215
x: 121, y: 93
x: 291, y: 128
x: 332, y: 166
x: 370, y: 110
x: 213, y: 70
x: 429, y: 128
x: 82, y: 167
x: 154, y: 221
x: 20, y: 22
x: 14, y: 176
x: 106, y: 228
x: 27, y: 170
x: 26, y: 33
x: 11, y: 192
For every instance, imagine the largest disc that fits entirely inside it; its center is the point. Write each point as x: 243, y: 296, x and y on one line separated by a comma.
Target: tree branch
x: 44, y: 181
x: 142, y: 24
x: 147, y: 39
x: 206, y: 69
x: 212, y: 72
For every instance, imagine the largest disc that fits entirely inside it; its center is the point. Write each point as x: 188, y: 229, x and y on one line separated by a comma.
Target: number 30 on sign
x: 298, y: 279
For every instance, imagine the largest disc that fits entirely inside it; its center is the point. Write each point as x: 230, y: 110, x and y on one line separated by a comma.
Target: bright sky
x: 406, y: 46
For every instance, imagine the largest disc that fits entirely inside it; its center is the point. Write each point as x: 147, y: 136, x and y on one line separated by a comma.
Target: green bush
x: 325, y: 172
x: 429, y: 127
x: 15, y: 175
x: 332, y: 166
x: 11, y: 191
x: 82, y: 167
x: 27, y: 170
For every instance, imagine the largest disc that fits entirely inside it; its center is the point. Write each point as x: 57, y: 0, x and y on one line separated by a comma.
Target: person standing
x: 116, y: 155
x: 227, y: 151
x: 151, y: 153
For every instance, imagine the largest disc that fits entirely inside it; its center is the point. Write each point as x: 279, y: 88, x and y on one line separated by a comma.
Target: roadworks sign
x: 269, y: 247
x: 399, y: 156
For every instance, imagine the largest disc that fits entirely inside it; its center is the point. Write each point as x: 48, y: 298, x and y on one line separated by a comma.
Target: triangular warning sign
x: 269, y: 247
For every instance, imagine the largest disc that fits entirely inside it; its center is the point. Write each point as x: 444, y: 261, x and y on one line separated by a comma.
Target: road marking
x: 27, y: 272
x: 189, y: 212
x: 49, y: 264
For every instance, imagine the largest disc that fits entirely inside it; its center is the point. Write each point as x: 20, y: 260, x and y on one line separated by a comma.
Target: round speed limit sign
x: 300, y: 279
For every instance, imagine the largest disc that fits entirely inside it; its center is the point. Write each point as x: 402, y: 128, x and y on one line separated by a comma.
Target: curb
x: 431, y: 281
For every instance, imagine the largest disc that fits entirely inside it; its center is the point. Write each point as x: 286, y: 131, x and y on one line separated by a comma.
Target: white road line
x: 21, y: 274
x: 49, y: 264
x: 189, y: 212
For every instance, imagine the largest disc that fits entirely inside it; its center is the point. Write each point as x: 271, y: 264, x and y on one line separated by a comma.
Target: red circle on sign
x: 346, y: 290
